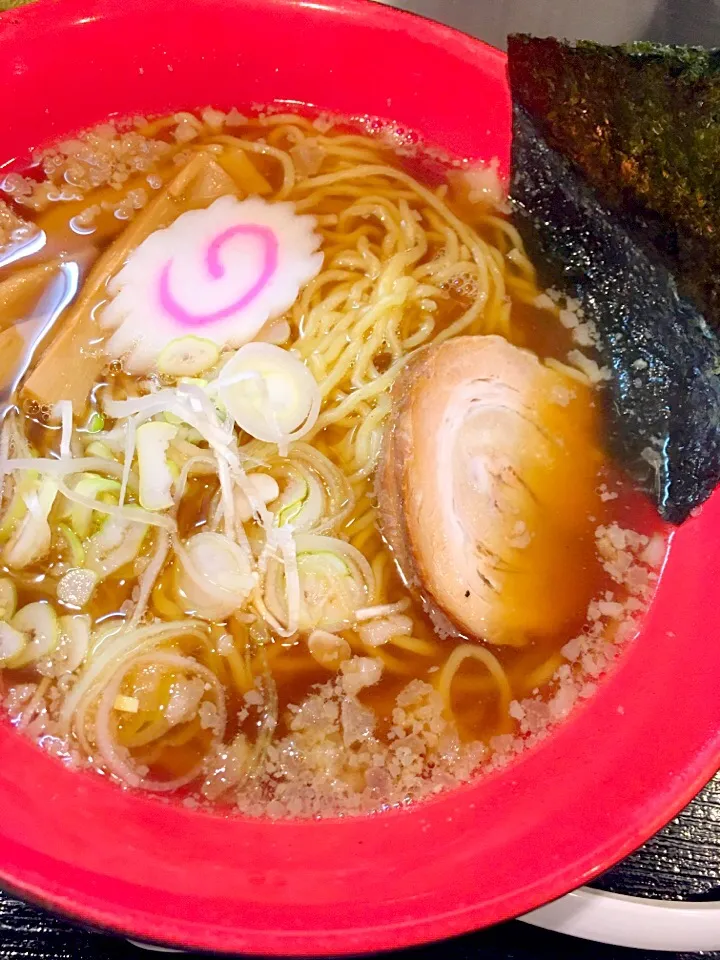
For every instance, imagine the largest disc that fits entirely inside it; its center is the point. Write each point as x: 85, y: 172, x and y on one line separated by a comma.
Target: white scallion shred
x: 65, y: 410
x: 382, y: 610
x: 129, y: 453
x: 150, y: 575
x: 129, y: 512
x: 64, y: 468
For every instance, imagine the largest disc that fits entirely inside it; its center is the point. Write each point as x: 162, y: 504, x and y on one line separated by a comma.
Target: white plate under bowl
x: 632, y: 921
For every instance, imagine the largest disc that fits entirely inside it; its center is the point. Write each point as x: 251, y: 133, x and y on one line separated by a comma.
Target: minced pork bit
x: 332, y: 762
x: 104, y: 156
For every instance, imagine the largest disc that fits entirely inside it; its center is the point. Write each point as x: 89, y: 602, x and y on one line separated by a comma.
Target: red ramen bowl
x: 604, y: 781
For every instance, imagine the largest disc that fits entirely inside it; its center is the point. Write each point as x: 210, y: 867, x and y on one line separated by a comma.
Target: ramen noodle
x: 305, y: 506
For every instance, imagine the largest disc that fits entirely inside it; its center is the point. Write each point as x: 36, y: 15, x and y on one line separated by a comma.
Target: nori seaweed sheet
x: 663, y: 399
x: 642, y: 122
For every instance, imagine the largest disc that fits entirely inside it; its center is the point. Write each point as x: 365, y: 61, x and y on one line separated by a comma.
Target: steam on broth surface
x: 221, y: 327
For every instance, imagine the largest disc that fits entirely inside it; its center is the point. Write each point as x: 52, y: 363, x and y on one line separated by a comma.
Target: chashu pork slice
x: 487, y: 489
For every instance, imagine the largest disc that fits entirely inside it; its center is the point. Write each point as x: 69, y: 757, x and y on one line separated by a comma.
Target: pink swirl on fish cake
x: 216, y: 271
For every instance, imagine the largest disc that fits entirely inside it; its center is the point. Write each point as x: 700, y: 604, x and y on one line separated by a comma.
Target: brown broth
x: 474, y: 702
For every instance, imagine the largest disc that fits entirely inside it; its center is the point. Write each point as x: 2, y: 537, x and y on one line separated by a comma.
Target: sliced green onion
x: 301, y: 496
x: 73, y: 543
x: 25, y: 483
x: 92, y: 486
x: 39, y: 622
x: 73, y: 643
x: 130, y: 513
x: 31, y: 539
x: 269, y: 392
x: 194, y: 381
x: 99, y: 449
x: 264, y: 487
x: 8, y: 598
x: 213, y: 577
x: 153, y: 440
x: 116, y: 543
x: 96, y: 423
x: 12, y: 645
x: 334, y: 579
x: 187, y: 356
x: 292, y: 511
x: 314, y: 497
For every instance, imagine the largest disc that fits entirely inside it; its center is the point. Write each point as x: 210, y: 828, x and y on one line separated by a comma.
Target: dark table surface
x: 681, y: 862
